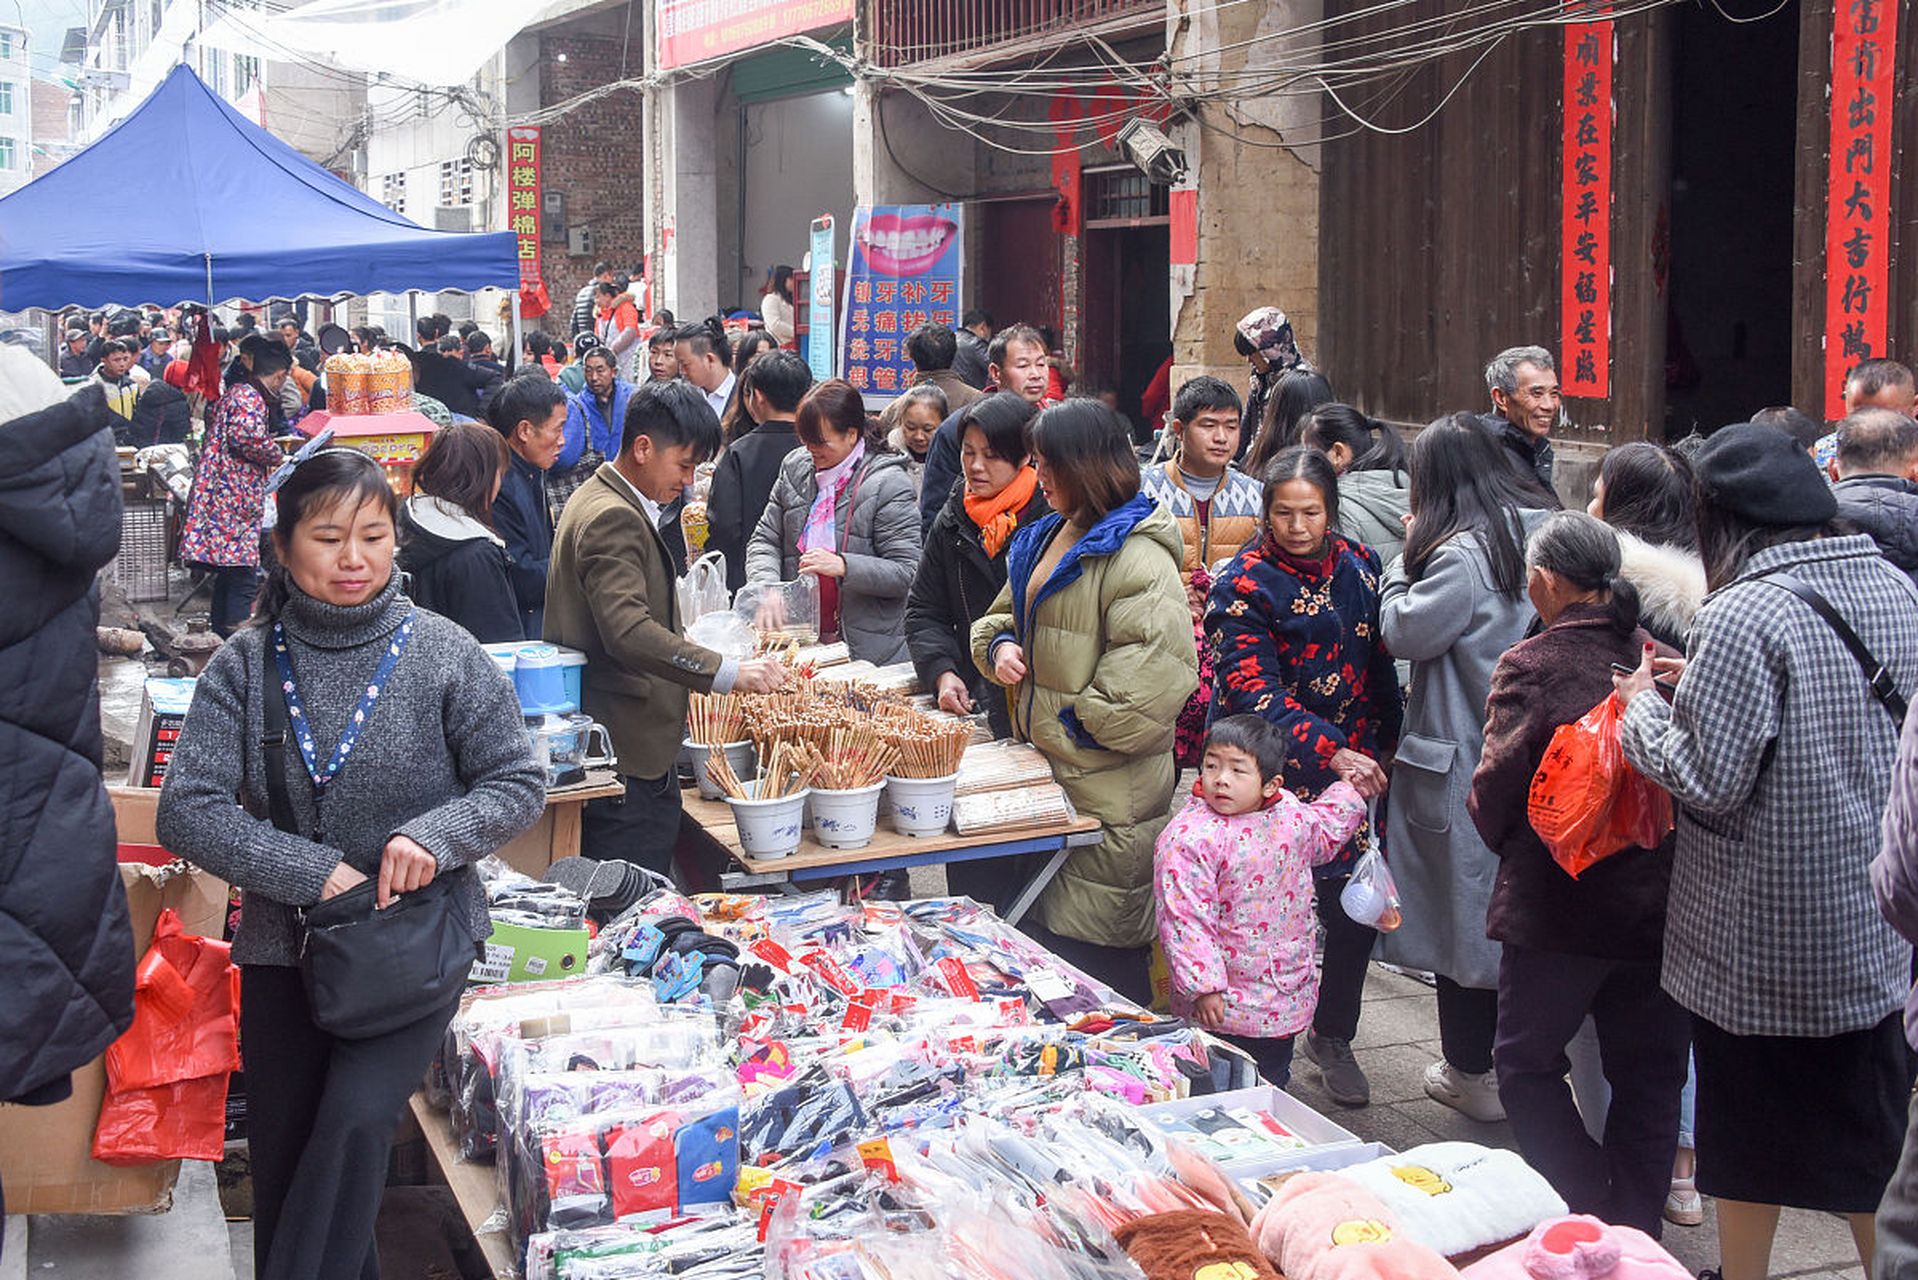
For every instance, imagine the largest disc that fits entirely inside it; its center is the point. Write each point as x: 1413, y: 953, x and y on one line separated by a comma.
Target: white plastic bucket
x: 845, y: 819
x: 769, y: 828
x: 921, y: 806
x: 738, y: 754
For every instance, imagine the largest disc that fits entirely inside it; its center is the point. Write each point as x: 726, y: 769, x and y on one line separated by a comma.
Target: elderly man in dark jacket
x: 66, y: 949
x: 1874, y: 467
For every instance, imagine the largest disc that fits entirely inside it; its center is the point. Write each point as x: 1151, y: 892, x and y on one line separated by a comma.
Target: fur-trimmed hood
x: 1670, y: 582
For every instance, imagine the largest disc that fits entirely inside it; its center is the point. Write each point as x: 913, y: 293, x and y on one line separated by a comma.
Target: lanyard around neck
x: 296, y: 708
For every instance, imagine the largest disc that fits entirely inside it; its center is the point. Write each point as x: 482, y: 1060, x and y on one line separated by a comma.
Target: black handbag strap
x: 1883, y: 686
x: 273, y: 743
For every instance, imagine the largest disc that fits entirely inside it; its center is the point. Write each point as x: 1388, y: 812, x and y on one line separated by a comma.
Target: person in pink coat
x: 1233, y: 883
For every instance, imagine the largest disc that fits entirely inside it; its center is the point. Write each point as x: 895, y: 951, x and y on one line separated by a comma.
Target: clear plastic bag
x: 782, y: 612
x: 726, y: 632
x: 703, y: 590
x: 1371, y: 896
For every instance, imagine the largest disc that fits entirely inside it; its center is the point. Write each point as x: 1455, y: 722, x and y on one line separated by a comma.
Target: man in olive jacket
x: 609, y: 594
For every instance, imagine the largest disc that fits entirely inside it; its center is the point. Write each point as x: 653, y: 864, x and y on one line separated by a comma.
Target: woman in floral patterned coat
x: 1293, y: 630
x: 222, y: 531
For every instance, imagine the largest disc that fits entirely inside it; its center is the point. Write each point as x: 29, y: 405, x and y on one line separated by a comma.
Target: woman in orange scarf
x: 963, y: 564
x: 961, y: 570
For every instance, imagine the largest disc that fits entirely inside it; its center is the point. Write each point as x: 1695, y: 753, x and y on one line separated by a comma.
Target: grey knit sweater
x: 445, y: 760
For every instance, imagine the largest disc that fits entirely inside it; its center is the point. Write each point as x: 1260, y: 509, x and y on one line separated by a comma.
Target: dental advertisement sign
x: 905, y: 268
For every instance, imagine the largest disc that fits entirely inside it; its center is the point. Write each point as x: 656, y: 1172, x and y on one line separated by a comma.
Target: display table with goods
x: 846, y: 773
x: 791, y: 1087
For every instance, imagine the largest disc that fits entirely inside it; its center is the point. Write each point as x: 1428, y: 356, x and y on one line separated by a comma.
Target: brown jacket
x: 609, y: 594
x: 1616, y: 909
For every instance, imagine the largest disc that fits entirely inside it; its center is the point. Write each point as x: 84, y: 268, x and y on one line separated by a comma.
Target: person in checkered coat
x: 1780, y: 759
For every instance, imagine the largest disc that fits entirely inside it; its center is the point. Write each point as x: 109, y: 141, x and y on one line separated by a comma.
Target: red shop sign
x: 522, y: 215
x: 1858, y: 194
x: 1585, y: 230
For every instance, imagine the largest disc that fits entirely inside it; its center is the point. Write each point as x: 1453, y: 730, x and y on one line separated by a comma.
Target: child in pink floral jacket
x: 1233, y: 882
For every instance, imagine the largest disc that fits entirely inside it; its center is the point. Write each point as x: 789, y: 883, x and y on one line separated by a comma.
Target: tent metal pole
x: 519, y: 338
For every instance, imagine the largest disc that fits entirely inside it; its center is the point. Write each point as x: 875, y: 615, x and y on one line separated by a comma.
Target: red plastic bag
x: 1586, y: 800
x: 167, y: 1076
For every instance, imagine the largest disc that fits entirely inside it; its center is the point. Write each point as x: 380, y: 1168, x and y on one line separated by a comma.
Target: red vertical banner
x: 522, y: 215
x: 1585, y: 233
x: 1864, y: 48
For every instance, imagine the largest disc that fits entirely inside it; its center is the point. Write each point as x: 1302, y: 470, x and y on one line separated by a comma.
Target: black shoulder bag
x: 1883, y: 687
x: 368, y: 971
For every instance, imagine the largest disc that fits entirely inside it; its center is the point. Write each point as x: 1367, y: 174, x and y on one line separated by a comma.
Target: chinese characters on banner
x: 522, y: 215
x: 1857, y: 201
x: 1585, y: 250
x: 823, y: 293
x: 694, y: 30
x: 904, y: 272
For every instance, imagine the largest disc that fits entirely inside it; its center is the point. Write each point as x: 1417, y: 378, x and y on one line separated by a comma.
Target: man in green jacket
x: 609, y: 594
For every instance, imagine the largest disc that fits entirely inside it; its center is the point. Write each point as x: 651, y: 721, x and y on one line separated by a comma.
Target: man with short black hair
x: 1526, y: 404
x: 530, y: 411
x: 1875, y: 467
x: 971, y: 357
x: 744, y: 479
x: 705, y: 360
x: 610, y: 594
x: 480, y: 357
x: 1016, y: 361
x: 933, y: 348
x: 583, y: 300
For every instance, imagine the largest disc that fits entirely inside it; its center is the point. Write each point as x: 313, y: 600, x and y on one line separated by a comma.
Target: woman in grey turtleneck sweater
x: 441, y: 775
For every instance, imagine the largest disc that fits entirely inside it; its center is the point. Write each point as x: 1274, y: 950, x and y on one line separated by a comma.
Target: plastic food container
x: 845, y: 819
x: 921, y: 806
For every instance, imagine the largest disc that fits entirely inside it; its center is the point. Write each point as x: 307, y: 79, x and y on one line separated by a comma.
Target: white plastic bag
x: 725, y: 633
x: 1371, y: 896
x: 703, y: 590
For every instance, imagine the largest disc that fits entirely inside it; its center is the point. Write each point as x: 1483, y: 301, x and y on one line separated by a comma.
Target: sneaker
x: 1469, y: 1094
x: 1684, y: 1207
x: 1339, y: 1071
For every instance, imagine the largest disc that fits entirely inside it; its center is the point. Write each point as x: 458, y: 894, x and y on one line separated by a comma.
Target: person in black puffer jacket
x: 1876, y: 459
x: 447, y: 542
x: 66, y: 948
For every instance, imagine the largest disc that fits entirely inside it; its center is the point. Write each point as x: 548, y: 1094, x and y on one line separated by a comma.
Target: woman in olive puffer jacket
x: 1093, y: 637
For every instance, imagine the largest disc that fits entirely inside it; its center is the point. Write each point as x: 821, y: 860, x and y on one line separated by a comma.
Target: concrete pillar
x: 682, y: 200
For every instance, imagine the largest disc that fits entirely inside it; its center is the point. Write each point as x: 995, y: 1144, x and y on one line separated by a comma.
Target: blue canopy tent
x: 188, y: 201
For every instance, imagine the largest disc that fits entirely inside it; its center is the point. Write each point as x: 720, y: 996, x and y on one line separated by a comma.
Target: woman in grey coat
x: 1452, y: 604
x: 846, y: 512
x: 1780, y: 759
x: 402, y: 786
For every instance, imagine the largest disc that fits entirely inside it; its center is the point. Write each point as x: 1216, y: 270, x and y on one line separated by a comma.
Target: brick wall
x: 592, y: 154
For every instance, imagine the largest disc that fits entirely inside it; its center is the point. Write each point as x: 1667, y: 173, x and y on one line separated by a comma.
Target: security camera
x: 1146, y: 145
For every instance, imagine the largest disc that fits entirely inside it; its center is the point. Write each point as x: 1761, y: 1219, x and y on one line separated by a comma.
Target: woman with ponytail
x: 408, y: 764
x: 222, y: 531
x: 1375, y: 481
x: 1585, y: 947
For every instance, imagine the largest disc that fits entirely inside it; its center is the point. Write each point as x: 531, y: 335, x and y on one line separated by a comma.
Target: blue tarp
x: 186, y: 186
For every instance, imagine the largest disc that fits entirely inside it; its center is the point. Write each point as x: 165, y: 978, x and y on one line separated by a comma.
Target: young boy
x: 1233, y: 883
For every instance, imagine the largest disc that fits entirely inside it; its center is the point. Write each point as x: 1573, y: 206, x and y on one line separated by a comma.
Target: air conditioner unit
x: 579, y: 242
x: 457, y: 217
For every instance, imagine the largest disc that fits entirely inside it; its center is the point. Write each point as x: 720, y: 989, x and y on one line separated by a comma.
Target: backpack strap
x: 1883, y: 686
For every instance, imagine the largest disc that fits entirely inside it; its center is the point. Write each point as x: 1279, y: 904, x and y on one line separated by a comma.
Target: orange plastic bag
x: 167, y: 1076
x: 1586, y: 800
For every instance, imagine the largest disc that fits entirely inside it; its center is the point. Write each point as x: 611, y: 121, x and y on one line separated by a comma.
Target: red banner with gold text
x: 1585, y: 247
x: 1858, y: 195
x: 522, y: 215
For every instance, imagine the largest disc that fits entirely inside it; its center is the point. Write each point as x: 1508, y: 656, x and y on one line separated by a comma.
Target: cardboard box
x: 45, y: 1160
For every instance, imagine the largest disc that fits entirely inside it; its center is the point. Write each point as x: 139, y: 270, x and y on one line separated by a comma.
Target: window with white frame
x: 393, y: 192
x: 6, y: 97
x: 6, y: 45
x: 7, y: 161
x: 456, y: 182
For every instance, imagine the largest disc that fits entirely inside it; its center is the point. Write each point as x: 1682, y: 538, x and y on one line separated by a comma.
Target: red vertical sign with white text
x: 522, y: 215
x: 1858, y: 195
x: 1585, y: 233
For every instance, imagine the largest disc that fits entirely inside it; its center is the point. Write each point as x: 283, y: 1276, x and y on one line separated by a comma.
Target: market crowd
x: 1257, y: 636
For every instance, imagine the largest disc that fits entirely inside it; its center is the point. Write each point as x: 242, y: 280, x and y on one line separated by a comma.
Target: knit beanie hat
x: 1763, y: 475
